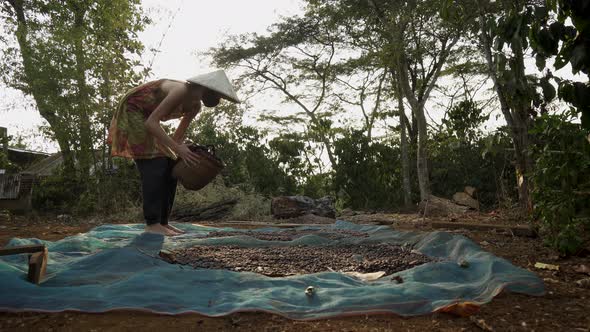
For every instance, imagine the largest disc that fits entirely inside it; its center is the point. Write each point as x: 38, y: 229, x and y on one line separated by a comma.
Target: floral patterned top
x: 128, y: 135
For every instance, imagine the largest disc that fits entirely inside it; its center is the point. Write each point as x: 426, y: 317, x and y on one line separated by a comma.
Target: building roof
x: 18, y: 150
x: 46, y: 166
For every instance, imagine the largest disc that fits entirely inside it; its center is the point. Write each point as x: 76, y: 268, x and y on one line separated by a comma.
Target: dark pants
x: 158, y: 188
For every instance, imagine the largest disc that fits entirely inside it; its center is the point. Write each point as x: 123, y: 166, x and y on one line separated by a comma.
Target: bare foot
x: 159, y: 229
x: 174, y: 229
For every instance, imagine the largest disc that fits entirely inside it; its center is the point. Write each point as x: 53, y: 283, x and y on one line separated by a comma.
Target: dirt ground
x: 565, y: 307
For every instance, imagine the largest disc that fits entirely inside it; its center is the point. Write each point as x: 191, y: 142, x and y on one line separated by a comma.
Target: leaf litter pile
x: 280, y: 261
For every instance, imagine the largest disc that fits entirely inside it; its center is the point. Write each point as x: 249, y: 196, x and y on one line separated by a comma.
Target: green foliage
x: 367, y: 175
x: 75, y: 58
x: 461, y: 155
x: 456, y: 163
x: 104, y: 192
x: 55, y: 193
x: 551, y: 36
x: 562, y: 182
x: 464, y: 120
x: 6, y: 164
x: 249, y: 162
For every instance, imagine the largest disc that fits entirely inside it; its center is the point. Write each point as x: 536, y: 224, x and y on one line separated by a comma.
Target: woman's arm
x: 183, y: 125
x: 174, y: 97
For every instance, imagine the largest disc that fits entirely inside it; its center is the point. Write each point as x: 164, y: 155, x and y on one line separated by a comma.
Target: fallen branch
x: 525, y: 231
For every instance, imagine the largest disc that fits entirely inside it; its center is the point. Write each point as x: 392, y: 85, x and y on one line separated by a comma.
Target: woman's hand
x: 189, y: 157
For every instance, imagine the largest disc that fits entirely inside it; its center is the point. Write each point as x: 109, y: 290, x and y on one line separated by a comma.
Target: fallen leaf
x: 544, y: 266
x: 464, y: 309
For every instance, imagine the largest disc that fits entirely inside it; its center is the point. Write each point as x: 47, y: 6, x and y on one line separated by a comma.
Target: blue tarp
x: 117, y: 267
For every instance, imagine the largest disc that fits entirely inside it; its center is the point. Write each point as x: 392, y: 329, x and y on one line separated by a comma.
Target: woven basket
x: 198, y: 176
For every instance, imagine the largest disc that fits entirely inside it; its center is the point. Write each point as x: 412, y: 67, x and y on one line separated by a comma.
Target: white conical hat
x: 218, y: 82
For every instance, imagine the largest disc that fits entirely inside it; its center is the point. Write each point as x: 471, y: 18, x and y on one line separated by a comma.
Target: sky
x: 185, y: 28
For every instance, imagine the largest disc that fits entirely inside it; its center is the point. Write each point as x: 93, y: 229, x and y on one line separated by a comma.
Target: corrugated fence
x: 10, y: 186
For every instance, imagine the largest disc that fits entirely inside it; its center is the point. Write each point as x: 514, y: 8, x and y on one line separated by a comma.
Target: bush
x: 561, y: 179
x: 104, y: 192
x: 456, y: 163
x: 367, y: 175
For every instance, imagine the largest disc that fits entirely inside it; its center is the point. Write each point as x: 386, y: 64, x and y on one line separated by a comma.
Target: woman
x: 136, y: 133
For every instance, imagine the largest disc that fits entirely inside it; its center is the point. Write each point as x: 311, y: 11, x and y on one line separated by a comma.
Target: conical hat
x: 218, y: 82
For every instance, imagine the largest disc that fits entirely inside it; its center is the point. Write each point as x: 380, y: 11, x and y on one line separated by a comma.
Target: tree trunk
x: 422, y: 155
x: 85, y: 157
x: 46, y: 110
x: 405, y: 156
x: 514, y: 111
x: 524, y: 164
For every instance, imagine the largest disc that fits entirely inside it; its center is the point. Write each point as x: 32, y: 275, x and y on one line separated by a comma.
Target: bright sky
x: 188, y: 27
x: 195, y: 27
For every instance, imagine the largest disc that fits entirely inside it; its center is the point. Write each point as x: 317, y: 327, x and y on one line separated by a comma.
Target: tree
x: 507, y: 23
x: 411, y: 41
x: 74, y: 58
x: 296, y: 59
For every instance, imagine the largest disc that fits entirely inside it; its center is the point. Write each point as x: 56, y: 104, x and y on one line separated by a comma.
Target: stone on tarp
x: 465, y: 200
x: 471, y: 191
x: 441, y: 207
x: 294, y: 206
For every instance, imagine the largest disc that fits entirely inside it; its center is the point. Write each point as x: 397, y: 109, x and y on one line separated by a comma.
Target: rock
x: 4, y: 215
x: 582, y: 269
x: 436, y: 206
x: 471, y: 191
x: 398, y: 279
x: 584, y: 283
x: 64, y: 218
x: 465, y: 200
x: 295, y: 206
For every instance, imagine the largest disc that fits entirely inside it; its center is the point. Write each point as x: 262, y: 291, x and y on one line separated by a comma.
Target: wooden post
x: 4, y: 139
x: 30, y: 249
x: 37, y: 266
x: 37, y: 260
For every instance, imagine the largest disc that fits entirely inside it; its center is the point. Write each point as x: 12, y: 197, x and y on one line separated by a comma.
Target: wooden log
x: 283, y: 207
x: 215, y: 211
x: 29, y: 249
x: 37, y: 266
x: 516, y: 230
